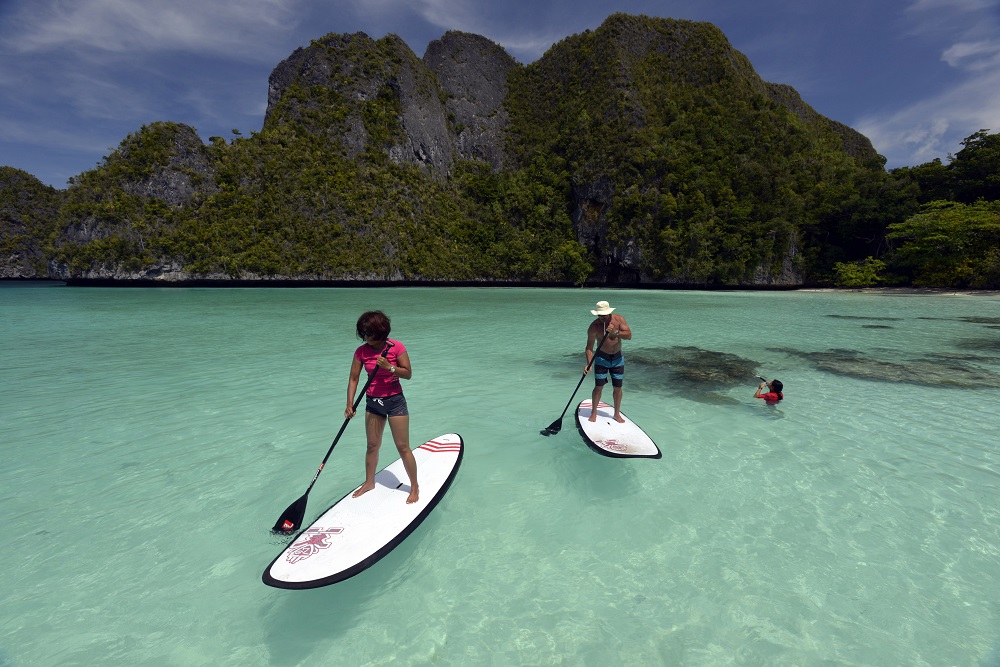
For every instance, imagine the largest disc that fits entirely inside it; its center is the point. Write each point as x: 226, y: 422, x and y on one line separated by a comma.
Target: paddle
x: 556, y: 426
x: 292, y: 517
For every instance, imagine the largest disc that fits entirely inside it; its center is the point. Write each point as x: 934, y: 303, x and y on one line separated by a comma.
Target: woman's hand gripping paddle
x: 556, y: 426
x: 291, y: 518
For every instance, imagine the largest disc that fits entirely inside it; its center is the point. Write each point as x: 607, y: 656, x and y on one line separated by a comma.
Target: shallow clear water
x: 150, y: 439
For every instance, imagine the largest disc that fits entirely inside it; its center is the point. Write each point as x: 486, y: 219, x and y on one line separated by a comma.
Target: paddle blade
x: 291, y: 518
x: 553, y: 428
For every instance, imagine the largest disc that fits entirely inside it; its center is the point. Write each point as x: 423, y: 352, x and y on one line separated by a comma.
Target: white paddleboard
x: 355, y: 533
x: 611, y: 438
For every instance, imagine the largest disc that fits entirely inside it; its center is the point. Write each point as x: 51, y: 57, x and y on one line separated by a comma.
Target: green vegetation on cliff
x: 712, y: 178
x: 950, y: 244
x: 647, y: 150
x: 28, y: 210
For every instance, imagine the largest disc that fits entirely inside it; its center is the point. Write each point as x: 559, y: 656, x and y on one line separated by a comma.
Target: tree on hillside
x: 950, y: 244
x: 972, y: 173
x: 976, y: 168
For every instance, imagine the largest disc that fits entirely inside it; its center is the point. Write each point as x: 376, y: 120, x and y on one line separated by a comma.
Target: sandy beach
x: 906, y: 291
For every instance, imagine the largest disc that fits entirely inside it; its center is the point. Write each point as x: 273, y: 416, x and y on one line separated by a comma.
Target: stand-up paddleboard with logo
x: 611, y: 438
x: 355, y: 533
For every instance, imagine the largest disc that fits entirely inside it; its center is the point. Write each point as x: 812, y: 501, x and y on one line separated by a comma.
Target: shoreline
x: 906, y: 291
x: 230, y: 284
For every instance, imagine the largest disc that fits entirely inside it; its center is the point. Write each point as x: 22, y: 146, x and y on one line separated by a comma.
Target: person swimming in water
x: 773, y: 393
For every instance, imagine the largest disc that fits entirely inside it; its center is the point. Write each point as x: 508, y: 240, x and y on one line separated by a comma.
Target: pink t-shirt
x: 385, y: 383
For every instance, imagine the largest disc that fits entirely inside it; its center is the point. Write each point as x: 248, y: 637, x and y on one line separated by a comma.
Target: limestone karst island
x: 647, y: 152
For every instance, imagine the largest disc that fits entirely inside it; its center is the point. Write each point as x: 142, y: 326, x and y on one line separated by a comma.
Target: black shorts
x: 387, y: 406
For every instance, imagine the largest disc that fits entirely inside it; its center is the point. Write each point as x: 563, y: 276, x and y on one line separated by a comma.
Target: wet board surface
x: 355, y: 533
x: 611, y: 438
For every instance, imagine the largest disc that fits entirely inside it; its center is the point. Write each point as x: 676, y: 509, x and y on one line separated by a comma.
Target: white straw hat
x: 603, y: 308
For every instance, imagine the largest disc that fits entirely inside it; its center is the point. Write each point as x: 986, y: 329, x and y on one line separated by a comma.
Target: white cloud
x: 956, y: 5
x: 935, y: 126
x: 488, y: 20
x: 66, y: 139
x: 973, y: 55
x: 135, y: 26
x: 446, y: 14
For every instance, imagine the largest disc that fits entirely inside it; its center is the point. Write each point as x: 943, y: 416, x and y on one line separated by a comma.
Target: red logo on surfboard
x: 613, y: 445
x: 434, y: 446
x: 310, y: 543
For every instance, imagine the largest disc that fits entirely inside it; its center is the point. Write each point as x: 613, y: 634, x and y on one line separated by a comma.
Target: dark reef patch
x: 691, y: 372
x: 865, y: 317
x: 695, y: 367
x: 938, y: 370
x: 987, y: 344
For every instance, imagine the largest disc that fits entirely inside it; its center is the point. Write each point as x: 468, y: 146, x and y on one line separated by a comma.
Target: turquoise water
x: 150, y: 439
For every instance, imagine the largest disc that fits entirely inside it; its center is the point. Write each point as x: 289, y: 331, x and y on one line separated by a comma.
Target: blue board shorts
x: 608, y: 364
x: 387, y: 406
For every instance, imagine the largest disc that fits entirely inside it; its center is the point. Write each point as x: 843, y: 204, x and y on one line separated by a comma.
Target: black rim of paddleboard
x: 363, y: 565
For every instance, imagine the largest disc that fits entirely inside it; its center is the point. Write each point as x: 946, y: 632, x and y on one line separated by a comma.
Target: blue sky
x: 915, y: 76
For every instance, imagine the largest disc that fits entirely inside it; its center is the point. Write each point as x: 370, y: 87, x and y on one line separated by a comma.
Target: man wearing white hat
x: 606, y: 334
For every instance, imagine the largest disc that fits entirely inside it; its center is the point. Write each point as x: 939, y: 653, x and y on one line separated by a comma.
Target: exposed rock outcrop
x: 364, y: 94
x: 164, y: 162
x: 183, y: 172
x: 28, y: 209
x: 855, y: 144
x: 472, y: 72
x: 646, y: 151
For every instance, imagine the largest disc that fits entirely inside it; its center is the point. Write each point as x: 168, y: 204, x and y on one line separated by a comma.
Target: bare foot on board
x: 365, y: 488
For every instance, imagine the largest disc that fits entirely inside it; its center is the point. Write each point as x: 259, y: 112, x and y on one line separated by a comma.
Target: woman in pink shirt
x: 384, y: 400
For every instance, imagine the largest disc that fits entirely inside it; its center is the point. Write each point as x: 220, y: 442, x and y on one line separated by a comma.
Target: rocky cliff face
x: 854, y: 143
x: 161, y: 167
x: 630, y: 73
x: 340, y: 84
x: 28, y: 209
x: 364, y: 95
x: 472, y: 72
x: 183, y: 172
x: 426, y: 140
x: 600, y: 108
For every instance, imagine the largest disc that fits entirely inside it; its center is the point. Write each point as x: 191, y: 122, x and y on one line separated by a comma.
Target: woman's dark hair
x: 374, y: 324
x: 776, y: 386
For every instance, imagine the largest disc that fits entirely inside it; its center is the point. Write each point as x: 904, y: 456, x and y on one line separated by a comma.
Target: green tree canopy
x: 950, y: 244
